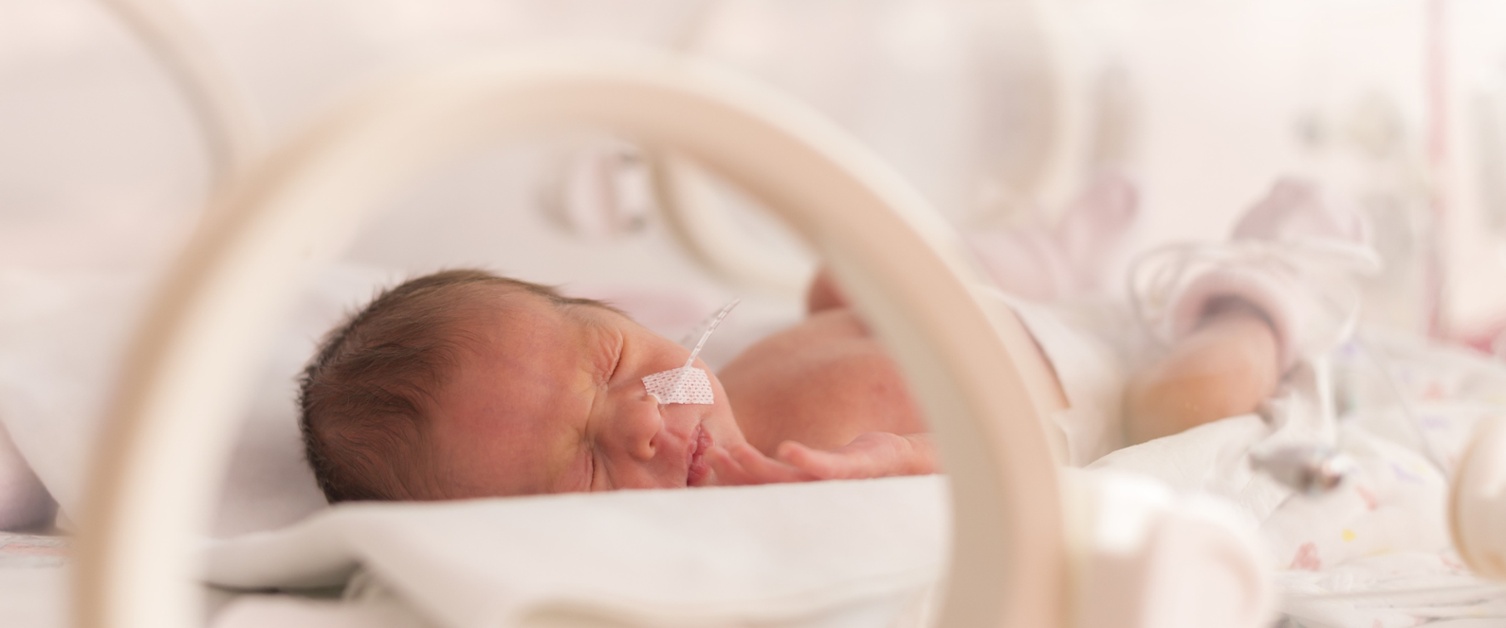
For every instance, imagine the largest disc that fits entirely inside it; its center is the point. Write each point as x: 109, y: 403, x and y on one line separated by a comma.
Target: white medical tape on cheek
x: 687, y: 384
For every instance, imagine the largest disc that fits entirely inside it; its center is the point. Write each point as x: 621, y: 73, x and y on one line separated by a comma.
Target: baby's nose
x: 639, y: 427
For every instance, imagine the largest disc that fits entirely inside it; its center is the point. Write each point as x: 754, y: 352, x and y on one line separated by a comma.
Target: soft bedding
x: 780, y: 555
x: 848, y: 553
x: 63, y: 337
x: 33, y: 580
x: 1392, y: 590
x: 1375, y: 551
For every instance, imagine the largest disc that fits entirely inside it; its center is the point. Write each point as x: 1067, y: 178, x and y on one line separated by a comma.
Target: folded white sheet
x: 62, y: 338
x: 1394, y: 590
x: 774, y: 554
x: 852, y: 553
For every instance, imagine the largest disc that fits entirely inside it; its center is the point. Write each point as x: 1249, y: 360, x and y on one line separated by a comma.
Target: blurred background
x: 998, y: 112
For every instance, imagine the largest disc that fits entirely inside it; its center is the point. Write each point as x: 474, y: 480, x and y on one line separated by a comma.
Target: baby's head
x: 465, y: 384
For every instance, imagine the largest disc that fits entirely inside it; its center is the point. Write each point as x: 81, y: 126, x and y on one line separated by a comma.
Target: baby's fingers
x: 871, y: 455
x: 727, y: 471
x: 823, y: 464
x: 767, y: 469
x: 742, y: 464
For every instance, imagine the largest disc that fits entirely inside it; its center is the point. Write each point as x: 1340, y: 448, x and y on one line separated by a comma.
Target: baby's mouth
x: 697, y: 471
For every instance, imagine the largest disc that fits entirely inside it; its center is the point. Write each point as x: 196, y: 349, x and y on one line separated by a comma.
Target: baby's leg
x: 1238, y: 326
x: 1224, y: 367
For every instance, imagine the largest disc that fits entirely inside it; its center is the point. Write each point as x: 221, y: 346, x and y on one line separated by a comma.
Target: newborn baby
x: 464, y: 384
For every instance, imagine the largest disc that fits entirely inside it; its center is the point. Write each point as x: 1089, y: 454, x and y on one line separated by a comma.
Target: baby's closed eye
x: 609, y: 357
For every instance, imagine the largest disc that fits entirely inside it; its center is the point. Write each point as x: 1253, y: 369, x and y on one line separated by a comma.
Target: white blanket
x: 763, y: 555
x: 852, y: 553
x: 1375, y: 551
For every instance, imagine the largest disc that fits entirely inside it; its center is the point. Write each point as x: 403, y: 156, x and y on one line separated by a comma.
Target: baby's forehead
x: 506, y: 296
x: 533, y: 328
x: 513, y: 316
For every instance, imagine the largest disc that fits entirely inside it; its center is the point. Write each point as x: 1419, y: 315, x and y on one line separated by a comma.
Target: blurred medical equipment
x: 1026, y: 126
x: 1309, y: 469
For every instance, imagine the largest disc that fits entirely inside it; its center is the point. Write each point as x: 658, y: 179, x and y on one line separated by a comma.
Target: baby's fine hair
x: 364, y: 396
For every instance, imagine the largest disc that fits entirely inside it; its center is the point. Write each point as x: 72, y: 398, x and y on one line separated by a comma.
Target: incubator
x: 1038, y: 208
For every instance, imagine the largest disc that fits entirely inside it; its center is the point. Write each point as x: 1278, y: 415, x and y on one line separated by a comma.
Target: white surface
x: 778, y: 554
x: 260, y: 611
x: 847, y: 553
x: 33, y: 581
x: 63, y: 341
x: 33, y: 597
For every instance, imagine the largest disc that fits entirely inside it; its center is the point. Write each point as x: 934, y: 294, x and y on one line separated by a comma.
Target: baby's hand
x: 742, y: 464
x: 871, y: 455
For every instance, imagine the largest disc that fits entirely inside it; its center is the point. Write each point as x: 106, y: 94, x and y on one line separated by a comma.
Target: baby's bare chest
x: 820, y: 383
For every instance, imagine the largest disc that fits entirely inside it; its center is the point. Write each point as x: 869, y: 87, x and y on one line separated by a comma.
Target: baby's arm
x: 1225, y: 367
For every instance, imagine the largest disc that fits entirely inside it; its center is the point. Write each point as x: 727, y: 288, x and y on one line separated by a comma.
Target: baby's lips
x: 698, y: 461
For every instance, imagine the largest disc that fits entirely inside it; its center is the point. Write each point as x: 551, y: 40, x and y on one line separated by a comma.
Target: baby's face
x: 551, y: 400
